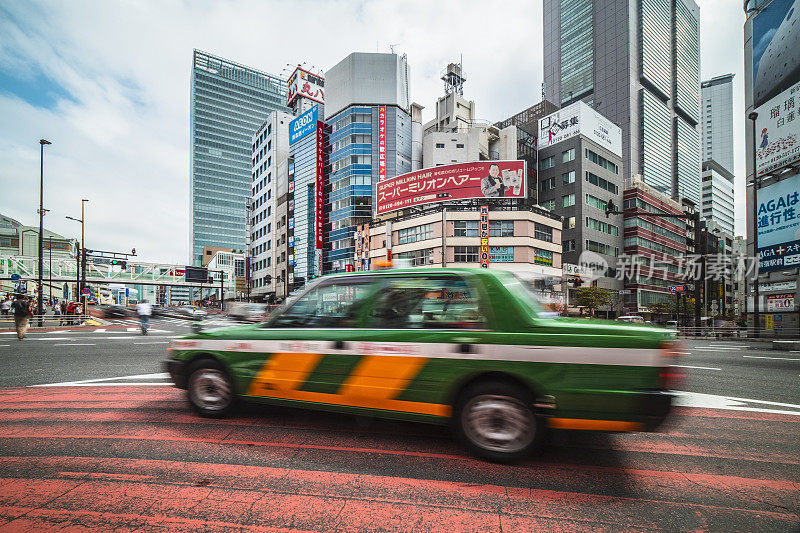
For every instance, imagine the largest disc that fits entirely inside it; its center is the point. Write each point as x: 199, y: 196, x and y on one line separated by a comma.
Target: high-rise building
x: 367, y: 106
x: 637, y: 63
x: 228, y: 104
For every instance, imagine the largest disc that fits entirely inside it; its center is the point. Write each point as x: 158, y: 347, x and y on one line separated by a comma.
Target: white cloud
x: 123, y: 139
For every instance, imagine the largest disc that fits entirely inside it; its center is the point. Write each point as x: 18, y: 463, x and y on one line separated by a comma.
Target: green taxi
x: 470, y: 347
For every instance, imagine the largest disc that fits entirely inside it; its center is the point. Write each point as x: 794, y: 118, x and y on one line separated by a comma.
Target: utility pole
x: 756, y: 311
x: 50, y: 269
x: 40, y: 309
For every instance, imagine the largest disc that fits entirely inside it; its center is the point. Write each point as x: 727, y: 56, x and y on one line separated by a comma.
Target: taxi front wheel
x: 210, y: 389
x: 496, y: 421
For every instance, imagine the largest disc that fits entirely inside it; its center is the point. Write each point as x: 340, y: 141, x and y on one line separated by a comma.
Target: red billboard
x: 320, y: 183
x: 381, y: 143
x: 484, y: 179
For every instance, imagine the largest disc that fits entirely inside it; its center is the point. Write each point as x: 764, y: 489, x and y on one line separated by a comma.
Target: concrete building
x: 228, y: 103
x: 653, y: 247
x: 637, y: 63
x: 270, y: 146
x: 230, y: 265
x: 717, y: 147
x: 367, y: 106
x: 525, y: 241
x: 580, y: 172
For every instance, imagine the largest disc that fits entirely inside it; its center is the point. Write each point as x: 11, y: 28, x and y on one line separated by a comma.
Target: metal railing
x: 724, y: 332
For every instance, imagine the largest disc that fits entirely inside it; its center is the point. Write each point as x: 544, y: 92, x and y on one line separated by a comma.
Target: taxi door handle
x: 339, y: 345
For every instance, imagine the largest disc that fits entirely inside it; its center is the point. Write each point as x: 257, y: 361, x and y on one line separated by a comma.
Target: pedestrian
x: 144, y: 310
x: 21, y: 310
x: 5, y: 306
x: 57, y: 313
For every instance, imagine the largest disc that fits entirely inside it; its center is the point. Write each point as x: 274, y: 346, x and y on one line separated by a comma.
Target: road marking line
x: 123, y: 384
x: 72, y: 344
x: 101, y: 330
x: 155, y: 342
x: 764, y: 357
x: 99, y: 381
x: 713, y: 401
x: 5, y: 345
x: 698, y: 367
x: 50, y: 338
x: 729, y: 345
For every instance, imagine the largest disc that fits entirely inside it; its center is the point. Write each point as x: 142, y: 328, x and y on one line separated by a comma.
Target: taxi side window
x: 330, y: 305
x: 427, y: 302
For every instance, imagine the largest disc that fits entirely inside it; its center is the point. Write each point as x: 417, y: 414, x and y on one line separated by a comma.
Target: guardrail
x: 47, y: 321
x: 739, y: 333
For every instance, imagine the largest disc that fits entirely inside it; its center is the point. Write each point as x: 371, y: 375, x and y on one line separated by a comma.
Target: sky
x: 107, y: 82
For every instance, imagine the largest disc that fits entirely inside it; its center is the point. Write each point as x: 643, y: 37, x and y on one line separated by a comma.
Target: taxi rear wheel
x: 496, y: 420
x: 210, y: 389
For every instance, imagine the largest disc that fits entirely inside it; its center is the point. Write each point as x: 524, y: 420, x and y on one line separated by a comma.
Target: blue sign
x: 779, y: 225
x: 303, y: 125
x: 14, y: 277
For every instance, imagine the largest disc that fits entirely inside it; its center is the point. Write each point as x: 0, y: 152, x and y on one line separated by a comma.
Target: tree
x: 592, y: 298
x: 661, y: 308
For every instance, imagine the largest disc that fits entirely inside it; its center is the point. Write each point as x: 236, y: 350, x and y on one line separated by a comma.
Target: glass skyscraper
x: 637, y: 63
x: 229, y: 102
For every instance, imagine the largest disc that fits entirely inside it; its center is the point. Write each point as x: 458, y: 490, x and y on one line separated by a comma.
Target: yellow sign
x: 769, y: 322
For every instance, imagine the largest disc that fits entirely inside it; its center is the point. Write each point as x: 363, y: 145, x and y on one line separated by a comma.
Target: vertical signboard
x: 484, y: 232
x: 381, y: 143
x: 366, y: 246
x: 290, y: 227
x: 389, y: 240
x: 358, y: 253
x: 320, y: 198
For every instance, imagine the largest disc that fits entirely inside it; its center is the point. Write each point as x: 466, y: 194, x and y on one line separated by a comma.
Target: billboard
x: 580, y: 119
x: 303, y: 125
x: 779, y: 225
x: 381, y: 143
x: 304, y: 83
x: 776, y: 54
x: 483, y: 179
x: 780, y: 303
x: 319, y: 190
x: 778, y: 131
x: 484, y: 233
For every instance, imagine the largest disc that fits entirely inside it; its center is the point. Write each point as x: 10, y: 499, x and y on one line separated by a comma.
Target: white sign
x: 778, y: 286
x: 304, y: 83
x: 778, y: 131
x: 580, y: 119
x: 780, y: 302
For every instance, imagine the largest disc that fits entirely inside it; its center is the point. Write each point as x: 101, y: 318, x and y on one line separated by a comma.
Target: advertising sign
x: 580, y: 119
x: 319, y: 190
x: 484, y: 234
x: 304, y: 83
x: 483, y: 179
x: 779, y: 225
x: 776, y: 59
x: 381, y: 143
x: 778, y: 131
x: 303, y: 125
x: 780, y: 303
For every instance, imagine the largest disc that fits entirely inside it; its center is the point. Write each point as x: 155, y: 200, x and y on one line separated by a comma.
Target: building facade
x: 270, y: 146
x: 367, y: 107
x: 228, y: 103
x: 637, y: 63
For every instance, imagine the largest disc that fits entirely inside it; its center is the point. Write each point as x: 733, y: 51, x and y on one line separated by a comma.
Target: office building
x: 228, y: 103
x: 716, y: 127
x: 270, y: 146
x: 637, y: 63
x: 580, y: 172
x: 368, y: 109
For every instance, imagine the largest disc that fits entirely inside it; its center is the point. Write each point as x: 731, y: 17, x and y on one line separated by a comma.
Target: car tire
x: 210, y: 389
x: 496, y: 420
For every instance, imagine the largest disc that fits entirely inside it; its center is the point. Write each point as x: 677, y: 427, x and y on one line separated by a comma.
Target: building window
x: 465, y: 228
x: 569, y: 246
x: 596, y: 202
x: 501, y: 228
x: 569, y: 222
x: 417, y: 233
x: 568, y: 200
x: 501, y: 254
x: 568, y: 155
x: 439, y: 145
x: 548, y: 204
x: 418, y: 257
x: 460, y: 145
x: 547, y: 162
x: 542, y: 257
x: 599, y: 225
x: 601, y: 248
x: 601, y: 161
x: 542, y: 232
x: 568, y: 177
x: 466, y: 254
x: 594, y: 179
x: 548, y: 184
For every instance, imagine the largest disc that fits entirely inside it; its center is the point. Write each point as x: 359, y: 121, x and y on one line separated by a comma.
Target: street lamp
x: 42, y: 142
x: 81, y: 276
x: 756, y: 313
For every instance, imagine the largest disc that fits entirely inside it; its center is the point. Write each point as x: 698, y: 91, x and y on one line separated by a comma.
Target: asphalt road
x: 123, y: 450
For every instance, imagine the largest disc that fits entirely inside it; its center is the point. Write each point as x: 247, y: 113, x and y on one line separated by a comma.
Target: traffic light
x: 268, y: 278
x: 611, y: 209
x: 577, y: 282
x: 119, y: 262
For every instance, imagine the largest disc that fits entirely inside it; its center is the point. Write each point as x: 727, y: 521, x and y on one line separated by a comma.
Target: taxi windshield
x: 523, y: 288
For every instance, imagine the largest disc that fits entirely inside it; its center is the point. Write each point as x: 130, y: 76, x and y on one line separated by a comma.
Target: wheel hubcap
x: 210, y: 389
x: 498, y: 423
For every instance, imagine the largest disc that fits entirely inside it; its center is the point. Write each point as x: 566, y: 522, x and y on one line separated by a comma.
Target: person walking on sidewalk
x: 21, y: 310
x: 5, y: 307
